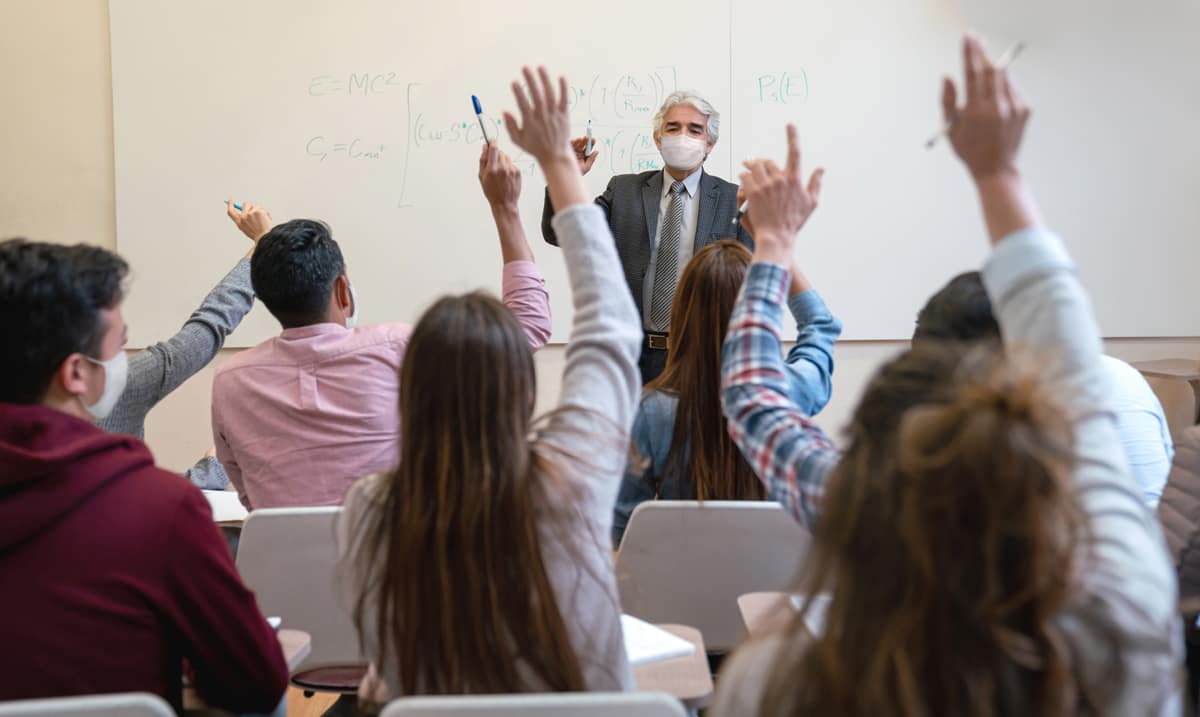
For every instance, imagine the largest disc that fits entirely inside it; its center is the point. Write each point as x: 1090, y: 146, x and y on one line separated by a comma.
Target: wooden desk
x: 296, y: 645
x: 685, y: 678
x: 767, y: 612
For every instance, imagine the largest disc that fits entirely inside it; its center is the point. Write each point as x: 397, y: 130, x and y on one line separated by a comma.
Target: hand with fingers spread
x: 579, y: 144
x: 499, y: 177
x: 253, y: 221
x: 544, y: 131
x: 986, y: 131
x: 780, y: 201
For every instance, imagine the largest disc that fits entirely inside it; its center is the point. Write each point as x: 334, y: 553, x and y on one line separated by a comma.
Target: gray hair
x: 689, y: 97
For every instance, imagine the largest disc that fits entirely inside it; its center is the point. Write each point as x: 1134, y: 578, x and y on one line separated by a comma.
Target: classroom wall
x: 57, y: 184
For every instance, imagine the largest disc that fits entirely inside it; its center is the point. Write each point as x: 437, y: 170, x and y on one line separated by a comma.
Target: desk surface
x: 1186, y: 369
x: 765, y: 612
x: 686, y: 678
x: 296, y: 645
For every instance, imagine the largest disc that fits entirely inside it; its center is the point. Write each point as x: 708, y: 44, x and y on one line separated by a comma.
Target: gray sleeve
x: 1041, y: 305
x: 208, y: 474
x: 601, y: 383
x: 162, y: 367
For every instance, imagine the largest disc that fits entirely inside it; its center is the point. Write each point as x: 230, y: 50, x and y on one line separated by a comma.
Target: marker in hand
x: 235, y: 205
x: 1009, y: 56
x: 737, y: 218
x: 479, y: 116
x: 587, y: 151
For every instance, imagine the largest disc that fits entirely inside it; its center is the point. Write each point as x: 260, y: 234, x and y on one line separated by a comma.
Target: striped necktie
x: 666, y: 265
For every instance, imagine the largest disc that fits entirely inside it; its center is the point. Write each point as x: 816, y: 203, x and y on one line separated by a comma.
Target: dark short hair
x: 293, y: 270
x: 50, y: 301
x: 960, y: 311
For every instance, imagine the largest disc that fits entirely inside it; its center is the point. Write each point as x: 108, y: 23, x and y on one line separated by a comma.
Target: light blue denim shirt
x: 809, y: 367
x: 1143, y: 428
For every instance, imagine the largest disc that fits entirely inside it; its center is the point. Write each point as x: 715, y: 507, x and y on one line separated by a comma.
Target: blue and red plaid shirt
x: 789, y: 453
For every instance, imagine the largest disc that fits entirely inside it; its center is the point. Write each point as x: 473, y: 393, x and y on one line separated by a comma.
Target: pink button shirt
x: 299, y: 417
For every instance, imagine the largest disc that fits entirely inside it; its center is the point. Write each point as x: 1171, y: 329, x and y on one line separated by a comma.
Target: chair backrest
x: 587, y: 704
x: 687, y: 562
x: 288, y: 557
x: 129, y: 704
x: 1178, y: 400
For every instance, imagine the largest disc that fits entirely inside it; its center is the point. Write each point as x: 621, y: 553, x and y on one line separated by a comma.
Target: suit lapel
x: 707, y: 194
x: 651, y: 198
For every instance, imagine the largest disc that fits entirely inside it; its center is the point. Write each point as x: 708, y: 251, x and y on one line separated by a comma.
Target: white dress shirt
x: 1143, y: 428
x: 687, y: 238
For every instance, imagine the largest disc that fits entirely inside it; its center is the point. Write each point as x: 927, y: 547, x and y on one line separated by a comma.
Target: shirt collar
x: 304, y: 332
x: 690, y: 182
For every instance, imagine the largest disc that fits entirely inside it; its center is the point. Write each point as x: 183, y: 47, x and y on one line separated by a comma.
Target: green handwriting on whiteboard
x: 783, y: 87
x: 322, y: 148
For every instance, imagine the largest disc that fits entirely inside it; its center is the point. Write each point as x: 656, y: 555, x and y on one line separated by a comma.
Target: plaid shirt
x: 790, y: 455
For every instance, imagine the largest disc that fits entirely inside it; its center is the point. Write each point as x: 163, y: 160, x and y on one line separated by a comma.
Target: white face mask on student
x: 682, y: 152
x: 352, y: 319
x: 116, y: 373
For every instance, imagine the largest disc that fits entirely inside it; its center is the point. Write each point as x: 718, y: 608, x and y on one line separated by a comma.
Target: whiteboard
x: 358, y: 113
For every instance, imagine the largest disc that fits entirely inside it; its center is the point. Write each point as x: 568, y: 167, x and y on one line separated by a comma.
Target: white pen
x: 737, y: 218
x: 587, y: 152
x: 1002, y: 64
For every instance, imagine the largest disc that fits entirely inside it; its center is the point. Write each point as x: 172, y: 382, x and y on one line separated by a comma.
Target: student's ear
x: 341, y: 294
x: 71, y: 376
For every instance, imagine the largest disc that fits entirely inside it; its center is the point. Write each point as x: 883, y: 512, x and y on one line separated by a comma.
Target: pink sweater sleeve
x: 524, y: 292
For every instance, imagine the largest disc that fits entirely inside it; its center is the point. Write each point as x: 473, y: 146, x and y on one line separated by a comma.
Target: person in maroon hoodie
x: 112, y: 572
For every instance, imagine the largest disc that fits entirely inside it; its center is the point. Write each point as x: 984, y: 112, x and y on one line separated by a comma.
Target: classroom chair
x: 687, y: 562
x: 591, y: 704
x: 1178, y: 399
x: 129, y: 704
x: 288, y: 557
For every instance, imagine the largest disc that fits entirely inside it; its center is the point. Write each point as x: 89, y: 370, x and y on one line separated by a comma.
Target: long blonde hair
x: 948, y: 542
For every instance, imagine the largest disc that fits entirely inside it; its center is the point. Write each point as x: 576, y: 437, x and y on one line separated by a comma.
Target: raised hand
x: 545, y: 133
x: 780, y: 201
x: 986, y: 131
x: 253, y: 221
x: 499, y: 177
x: 544, y: 129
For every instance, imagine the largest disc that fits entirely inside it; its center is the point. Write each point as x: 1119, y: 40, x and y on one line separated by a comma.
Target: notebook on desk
x: 226, y: 507
x: 646, y: 643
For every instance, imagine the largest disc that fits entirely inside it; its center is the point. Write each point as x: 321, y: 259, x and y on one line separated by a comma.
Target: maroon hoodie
x: 112, y: 572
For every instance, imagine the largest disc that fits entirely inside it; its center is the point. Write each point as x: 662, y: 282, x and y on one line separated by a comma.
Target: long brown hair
x: 459, y: 596
x: 948, y: 543
x: 700, y: 444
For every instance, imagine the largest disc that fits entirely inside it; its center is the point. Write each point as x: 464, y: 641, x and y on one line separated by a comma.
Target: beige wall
x: 56, y: 140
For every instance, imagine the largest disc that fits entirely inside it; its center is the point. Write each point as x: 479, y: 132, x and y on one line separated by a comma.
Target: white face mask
x: 116, y: 373
x: 682, y: 152
x: 352, y: 319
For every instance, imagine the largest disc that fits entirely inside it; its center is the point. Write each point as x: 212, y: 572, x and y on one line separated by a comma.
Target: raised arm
x: 791, y: 456
x: 162, y: 367
x: 809, y: 363
x: 601, y: 383
x: 523, y: 289
x: 1042, y: 308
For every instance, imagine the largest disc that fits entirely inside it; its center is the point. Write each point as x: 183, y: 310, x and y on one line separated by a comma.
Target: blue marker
x: 479, y: 116
x: 235, y: 205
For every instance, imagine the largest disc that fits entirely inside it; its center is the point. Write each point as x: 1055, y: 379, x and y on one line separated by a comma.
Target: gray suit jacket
x: 631, y: 204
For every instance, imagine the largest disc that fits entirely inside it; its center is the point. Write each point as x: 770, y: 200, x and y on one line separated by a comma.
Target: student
x: 112, y: 571
x: 961, y: 311
x: 482, y: 564
x: 297, y: 418
x: 164, y: 366
x: 681, y: 448
x: 983, y: 543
